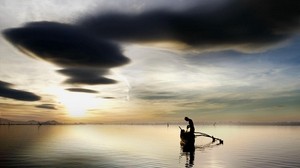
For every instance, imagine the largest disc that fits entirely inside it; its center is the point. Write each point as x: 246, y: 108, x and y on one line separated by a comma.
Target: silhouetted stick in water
x: 39, y: 124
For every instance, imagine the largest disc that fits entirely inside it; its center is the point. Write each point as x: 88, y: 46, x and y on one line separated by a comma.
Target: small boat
x: 187, y: 138
x: 187, y: 141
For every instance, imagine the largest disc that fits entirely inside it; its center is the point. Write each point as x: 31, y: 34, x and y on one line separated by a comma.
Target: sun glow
x: 77, y: 104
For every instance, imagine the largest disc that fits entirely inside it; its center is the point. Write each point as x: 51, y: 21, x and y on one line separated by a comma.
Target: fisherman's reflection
x: 189, y: 153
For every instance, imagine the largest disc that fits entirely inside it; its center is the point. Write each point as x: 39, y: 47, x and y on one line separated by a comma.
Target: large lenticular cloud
x: 65, y: 45
x: 69, y: 47
x: 238, y: 24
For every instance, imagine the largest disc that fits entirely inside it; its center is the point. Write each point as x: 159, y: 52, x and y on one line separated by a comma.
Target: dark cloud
x: 46, y: 106
x: 65, y: 45
x: 238, y: 24
x: 82, y: 90
x: 108, y: 97
x: 7, y: 92
x: 70, y: 47
x: 5, y: 84
x: 86, y: 76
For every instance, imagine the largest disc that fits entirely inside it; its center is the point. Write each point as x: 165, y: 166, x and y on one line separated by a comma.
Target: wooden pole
x: 206, y: 135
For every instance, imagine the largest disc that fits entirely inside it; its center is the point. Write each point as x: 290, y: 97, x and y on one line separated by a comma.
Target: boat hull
x: 187, y: 138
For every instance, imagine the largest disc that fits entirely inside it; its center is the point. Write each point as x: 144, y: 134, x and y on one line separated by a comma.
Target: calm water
x: 147, y: 146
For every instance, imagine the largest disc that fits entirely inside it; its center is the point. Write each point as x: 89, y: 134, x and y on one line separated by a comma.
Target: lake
x: 147, y: 146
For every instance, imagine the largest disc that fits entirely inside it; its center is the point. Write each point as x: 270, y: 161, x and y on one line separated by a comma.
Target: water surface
x: 147, y: 146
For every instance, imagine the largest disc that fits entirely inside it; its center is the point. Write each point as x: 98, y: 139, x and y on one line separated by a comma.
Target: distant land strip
x: 4, y: 121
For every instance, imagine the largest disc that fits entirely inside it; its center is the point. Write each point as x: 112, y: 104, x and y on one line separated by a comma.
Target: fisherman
x: 190, y: 126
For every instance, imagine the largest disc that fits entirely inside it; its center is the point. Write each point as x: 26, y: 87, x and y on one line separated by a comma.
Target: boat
x: 187, y: 141
x: 187, y: 138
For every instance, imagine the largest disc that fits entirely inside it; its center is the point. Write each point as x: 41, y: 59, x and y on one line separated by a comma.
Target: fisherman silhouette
x: 190, y: 125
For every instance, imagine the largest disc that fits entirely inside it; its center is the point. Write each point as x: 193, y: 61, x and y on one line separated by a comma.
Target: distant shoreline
x: 147, y: 124
x: 53, y: 122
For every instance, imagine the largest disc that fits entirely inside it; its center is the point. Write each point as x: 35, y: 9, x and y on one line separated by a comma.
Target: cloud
x: 81, y: 90
x: 153, y: 95
x: 69, y: 47
x: 86, y: 76
x: 65, y: 45
x: 108, y: 97
x: 246, y: 102
x: 46, y: 106
x: 7, y: 92
x: 239, y: 24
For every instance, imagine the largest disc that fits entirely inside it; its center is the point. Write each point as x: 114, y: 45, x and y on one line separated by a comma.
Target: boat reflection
x: 188, y: 147
x: 188, y: 151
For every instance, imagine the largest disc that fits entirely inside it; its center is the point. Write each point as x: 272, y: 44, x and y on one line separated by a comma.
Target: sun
x: 77, y: 104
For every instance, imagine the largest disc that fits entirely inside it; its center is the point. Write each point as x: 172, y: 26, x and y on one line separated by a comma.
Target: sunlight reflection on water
x: 147, y: 146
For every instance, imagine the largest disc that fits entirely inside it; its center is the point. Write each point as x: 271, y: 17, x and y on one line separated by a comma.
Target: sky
x: 139, y: 61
